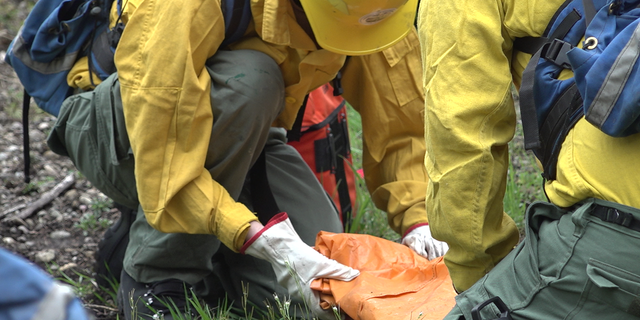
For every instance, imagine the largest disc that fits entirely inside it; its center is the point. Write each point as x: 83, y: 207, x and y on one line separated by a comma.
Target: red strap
x: 415, y: 226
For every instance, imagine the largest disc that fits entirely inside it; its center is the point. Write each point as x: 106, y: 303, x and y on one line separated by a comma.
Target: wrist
x: 415, y: 226
x: 254, y: 227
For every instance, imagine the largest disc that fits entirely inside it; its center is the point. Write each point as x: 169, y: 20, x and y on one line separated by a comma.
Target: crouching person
x: 186, y: 131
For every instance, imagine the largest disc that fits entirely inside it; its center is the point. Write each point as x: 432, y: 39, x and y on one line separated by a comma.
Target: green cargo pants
x: 571, y: 265
x: 91, y: 131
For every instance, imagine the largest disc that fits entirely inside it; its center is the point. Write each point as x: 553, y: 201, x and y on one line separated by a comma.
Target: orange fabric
x: 320, y: 104
x: 394, y: 282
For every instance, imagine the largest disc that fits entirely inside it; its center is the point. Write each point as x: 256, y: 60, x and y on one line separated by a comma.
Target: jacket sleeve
x: 470, y: 118
x: 385, y: 89
x: 165, y: 92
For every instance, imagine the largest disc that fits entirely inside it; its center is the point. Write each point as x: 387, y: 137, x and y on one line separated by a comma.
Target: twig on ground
x: 44, y: 199
x: 10, y: 210
x: 97, y: 306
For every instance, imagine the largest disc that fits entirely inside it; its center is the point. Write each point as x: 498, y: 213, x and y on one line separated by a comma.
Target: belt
x: 613, y: 215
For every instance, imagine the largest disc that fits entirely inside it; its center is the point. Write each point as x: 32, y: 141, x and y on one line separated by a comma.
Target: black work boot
x: 153, y: 301
x: 111, y: 248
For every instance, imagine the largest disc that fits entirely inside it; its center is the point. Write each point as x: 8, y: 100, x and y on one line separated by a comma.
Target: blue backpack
x: 605, y: 85
x: 56, y: 33
x: 29, y: 293
x: 53, y: 37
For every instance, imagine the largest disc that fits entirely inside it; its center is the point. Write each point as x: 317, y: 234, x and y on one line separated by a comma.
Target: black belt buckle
x: 504, y: 314
x: 618, y: 217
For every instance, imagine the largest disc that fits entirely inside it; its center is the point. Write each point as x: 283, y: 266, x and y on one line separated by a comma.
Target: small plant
x: 101, y: 205
x: 82, y: 286
x: 91, y: 221
x: 248, y: 312
x: 30, y: 187
x: 34, y: 186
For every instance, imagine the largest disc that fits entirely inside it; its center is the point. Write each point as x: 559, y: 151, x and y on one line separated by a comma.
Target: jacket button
x: 290, y: 100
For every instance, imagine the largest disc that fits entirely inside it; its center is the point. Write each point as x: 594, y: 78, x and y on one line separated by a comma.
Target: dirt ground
x: 61, y: 235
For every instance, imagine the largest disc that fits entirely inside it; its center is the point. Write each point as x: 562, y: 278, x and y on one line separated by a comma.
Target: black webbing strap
x: 336, y: 83
x: 237, y: 16
x: 589, y: 11
x: 532, y: 44
x: 555, y: 127
x: 613, y: 215
x: 527, y: 102
x: 528, y: 107
x: 505, y: 313
x: 529, y: 44
x: 264, y: 204
x: 26, y: 100
x: 329, y: 119
x: 565, y: 26
x: 296, y: 131
x: 341, y: 146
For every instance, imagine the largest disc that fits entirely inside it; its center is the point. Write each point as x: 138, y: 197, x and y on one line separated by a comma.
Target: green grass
x: 524, y: 182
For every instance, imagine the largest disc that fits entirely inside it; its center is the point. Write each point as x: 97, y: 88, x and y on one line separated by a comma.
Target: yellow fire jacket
x: 469, y: 69
x: 165, y: 91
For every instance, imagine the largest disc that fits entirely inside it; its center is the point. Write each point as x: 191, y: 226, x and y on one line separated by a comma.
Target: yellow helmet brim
x: 339, y: 31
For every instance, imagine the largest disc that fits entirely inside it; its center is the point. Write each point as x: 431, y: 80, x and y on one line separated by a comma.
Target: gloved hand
x: 419, y: 239
x: 295, y: 263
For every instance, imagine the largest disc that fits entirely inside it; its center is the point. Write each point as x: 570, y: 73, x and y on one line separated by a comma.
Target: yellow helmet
x: 358, y: 27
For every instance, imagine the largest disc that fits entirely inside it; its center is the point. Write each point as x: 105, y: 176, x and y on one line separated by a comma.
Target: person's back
x: 571, y: 262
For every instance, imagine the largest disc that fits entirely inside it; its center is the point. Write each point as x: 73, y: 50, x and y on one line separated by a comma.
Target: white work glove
x: 295, y: 263
x: 420, y: 240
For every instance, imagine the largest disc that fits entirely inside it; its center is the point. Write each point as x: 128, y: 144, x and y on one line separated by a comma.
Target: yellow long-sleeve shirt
x: 469, y: 69
x: 165, y: 93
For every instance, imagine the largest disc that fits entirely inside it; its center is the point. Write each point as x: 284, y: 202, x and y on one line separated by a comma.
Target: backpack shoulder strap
x: 546, y: 127
x: 531, y: 45
x: 237, y: 15
x: 527, y: 105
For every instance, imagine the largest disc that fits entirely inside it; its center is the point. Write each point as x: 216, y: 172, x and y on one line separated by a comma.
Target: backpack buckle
x: 504, y: 314
x: 556, y: 53
x: 620, y: 218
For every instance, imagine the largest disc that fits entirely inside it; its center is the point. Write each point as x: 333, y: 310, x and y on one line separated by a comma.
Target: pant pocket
x: 515, y: 280
x: 610, y: 293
